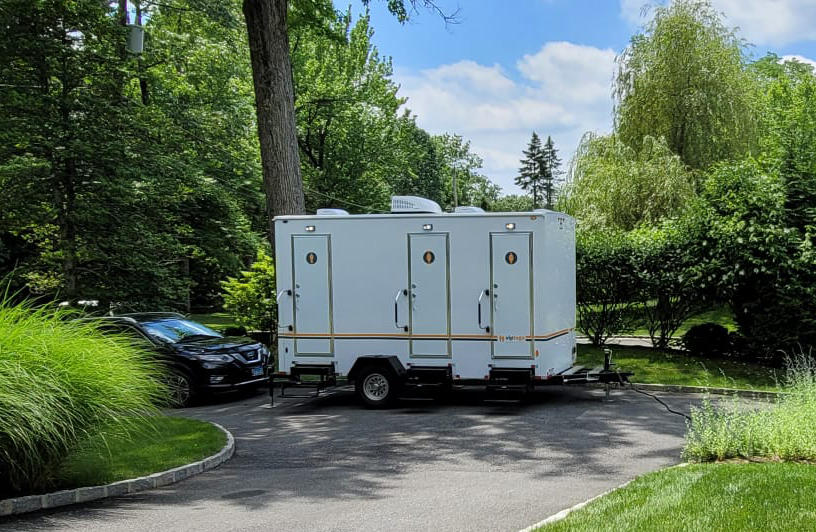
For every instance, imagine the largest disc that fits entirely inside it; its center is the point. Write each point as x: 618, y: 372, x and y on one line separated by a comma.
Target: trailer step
x: 324, y: 372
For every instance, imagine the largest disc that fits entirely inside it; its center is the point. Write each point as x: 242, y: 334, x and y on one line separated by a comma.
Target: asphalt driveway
x: 461, y: 464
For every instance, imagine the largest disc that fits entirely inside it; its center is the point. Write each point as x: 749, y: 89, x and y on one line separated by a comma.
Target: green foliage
x: 532, y: 173
x: 790, y: 134
x: 748, y: 257
x: 668, y: 293
x: 251, y: 296
x: 60, y: 381
x: 612, y: 186
x: 458, y: 160
x: 708, y: 340
x: 786, y: 431
x: 607, y: 284
x: 683, y: 79
x: 512, y: 203
x: 122, y: 173
x: 539, y: 172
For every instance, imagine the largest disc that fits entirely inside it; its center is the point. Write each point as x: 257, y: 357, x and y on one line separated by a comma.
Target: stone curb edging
x: 565, y: 512
x: 677, y: 388
x: 33, y: 503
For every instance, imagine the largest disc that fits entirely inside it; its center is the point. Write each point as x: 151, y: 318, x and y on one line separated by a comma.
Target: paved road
x: 456, y: 465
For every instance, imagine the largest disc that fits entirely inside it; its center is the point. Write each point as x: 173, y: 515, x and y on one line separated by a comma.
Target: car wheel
x: 181, y: 390
x: 377, y: 387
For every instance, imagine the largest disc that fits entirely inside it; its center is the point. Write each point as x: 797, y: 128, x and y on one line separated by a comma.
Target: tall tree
x: 460, y: 168
x: 532, y: 176
x: 268, y: 32
x: 683, y: 78
x: 612, y: 186
x: 551, y: 172
x: 790, y: 133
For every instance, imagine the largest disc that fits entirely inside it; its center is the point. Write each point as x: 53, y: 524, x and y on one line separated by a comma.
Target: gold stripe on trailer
x: 407, y: 336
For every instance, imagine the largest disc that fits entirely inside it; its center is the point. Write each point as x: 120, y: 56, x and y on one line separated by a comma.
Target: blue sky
x: 513, y: 67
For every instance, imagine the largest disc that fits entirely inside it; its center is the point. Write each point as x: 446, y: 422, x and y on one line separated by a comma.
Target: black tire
x: 181, y: 389
x: 377, y: 387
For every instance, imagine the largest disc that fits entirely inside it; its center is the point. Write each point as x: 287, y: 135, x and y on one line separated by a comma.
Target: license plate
x: 257, y: 371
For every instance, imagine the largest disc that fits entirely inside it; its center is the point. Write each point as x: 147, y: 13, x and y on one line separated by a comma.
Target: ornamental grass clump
x: 784, y: 430
x: 62, y: 381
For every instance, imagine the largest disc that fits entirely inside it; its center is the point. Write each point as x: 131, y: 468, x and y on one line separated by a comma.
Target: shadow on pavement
x: 330, y: 448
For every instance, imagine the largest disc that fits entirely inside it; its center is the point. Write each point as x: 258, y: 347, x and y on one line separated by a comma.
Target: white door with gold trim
x: 429, y: 295
x: 511, y: 294
x: 311, y: 270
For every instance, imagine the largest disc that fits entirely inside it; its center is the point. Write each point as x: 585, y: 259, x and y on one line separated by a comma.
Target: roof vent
x: 469, y: 209
x: 414, y: 205
x: 332, y: 212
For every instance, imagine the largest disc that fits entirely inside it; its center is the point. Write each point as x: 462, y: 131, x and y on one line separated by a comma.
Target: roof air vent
x: 332, y: 212
x: 469, y: 209
x: 413, y: 205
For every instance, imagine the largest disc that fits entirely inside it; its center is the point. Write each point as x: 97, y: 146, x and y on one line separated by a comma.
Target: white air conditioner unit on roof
x: 414, y: 205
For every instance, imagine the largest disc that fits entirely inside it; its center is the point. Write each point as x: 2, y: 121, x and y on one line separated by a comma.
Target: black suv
x: 200, y: 359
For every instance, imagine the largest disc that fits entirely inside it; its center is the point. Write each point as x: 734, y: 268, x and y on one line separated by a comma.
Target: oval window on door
x: 511, y: 257
x: 311, y: 257
x: 428, y: 257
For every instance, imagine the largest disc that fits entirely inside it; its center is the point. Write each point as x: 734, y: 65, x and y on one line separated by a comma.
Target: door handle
x: 482, y: 293
x: 402, y: 292
x: 277, y: 300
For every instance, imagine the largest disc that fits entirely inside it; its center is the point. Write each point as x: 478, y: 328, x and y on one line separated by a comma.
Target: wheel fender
x: 391, y: 362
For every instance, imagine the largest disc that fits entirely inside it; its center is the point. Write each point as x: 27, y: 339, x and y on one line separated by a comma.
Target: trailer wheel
x: 377, y: 387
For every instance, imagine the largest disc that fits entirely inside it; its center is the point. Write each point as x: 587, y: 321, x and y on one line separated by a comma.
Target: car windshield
x: 177, y: 330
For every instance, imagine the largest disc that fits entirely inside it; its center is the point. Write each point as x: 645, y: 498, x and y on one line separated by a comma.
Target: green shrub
x: 668, y: 293
x: 60, y: 381
x: 707, y: 340
x: 607, y: 284
x: 750, y: 258
x: 785, y: 431
x: 251, y: 297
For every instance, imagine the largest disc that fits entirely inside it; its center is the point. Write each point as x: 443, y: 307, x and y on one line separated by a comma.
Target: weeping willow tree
x: 684, y: 78
x: 611, y: 185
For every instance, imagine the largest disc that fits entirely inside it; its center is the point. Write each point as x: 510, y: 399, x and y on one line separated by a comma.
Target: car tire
x: 377, y: 387
x: 181, y: 388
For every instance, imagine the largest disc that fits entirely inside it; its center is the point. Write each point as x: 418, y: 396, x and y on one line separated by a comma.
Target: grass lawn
x: 719, y: 315
x: 215, y: 320
x: 151, y: 446
x: 726, y: 497
x: 660, y: 367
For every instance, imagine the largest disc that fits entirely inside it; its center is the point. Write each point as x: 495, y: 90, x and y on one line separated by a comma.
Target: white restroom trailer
x: 419, y: 297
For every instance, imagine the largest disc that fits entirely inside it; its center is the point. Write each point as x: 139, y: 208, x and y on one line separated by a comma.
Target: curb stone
x: 33, y: 503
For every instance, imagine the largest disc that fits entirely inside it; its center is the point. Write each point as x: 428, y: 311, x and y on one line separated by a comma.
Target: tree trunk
x: 275, y: 107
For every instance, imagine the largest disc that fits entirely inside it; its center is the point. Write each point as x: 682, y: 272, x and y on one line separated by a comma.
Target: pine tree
x: 529, y: 178
x: 550, y: 172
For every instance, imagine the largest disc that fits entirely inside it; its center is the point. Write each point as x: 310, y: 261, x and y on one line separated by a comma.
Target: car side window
x: 129, y: 331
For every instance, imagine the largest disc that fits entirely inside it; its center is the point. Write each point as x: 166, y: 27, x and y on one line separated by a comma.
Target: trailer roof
x: 539, y: 212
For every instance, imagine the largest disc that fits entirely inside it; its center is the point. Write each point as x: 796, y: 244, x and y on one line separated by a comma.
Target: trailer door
x: 311, y: 271
x: 511, y: 294
x: 429, y: 295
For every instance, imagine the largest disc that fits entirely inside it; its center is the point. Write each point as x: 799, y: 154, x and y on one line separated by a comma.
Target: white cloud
x: 562, y: 91
x: 800, y: 58
x: 762, y: 22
